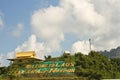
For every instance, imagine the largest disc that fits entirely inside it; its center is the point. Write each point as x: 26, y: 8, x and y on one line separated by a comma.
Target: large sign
x: 48, y: 67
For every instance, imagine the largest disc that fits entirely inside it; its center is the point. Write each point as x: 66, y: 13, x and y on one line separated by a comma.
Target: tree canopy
x: 91, y: 66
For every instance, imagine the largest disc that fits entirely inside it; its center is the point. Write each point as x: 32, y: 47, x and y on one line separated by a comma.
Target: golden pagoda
x: 29, y: 55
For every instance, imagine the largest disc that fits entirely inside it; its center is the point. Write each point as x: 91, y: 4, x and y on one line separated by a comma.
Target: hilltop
x: 113, y: 53
x: 88, y: 67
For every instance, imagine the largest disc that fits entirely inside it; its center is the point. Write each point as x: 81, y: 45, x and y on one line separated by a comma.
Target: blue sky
x: 20, y: 12
x: 50, y: 27
x: 14, y: 12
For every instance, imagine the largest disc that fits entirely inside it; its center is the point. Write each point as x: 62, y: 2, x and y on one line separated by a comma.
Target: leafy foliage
x: 92, y: 66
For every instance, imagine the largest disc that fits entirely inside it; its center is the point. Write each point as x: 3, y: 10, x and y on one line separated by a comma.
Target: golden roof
x: 29, y: 54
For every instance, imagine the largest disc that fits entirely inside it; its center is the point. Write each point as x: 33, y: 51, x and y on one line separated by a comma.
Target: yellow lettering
x: 67, y: 64
x: 63, y: 64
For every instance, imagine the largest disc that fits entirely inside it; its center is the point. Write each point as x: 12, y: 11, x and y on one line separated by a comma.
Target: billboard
x: 49, y: 67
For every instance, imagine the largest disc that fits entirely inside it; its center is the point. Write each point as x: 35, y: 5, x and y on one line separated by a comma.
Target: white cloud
x: 82, y: 46
x: 17, y: 32
x: 45, y: 23
x: 1, y: 22
x: 3, y: 61
x: 1, y: 57
x: 95, y: 19
x: 110, y: 10
x: 71, y: 16
x: 41, y: 48
x: 11, y: 55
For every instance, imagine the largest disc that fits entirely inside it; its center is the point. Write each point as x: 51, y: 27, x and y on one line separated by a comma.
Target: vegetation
x: 92, y: 66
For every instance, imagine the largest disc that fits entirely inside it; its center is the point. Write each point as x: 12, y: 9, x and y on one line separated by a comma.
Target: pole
x: 90, y: 44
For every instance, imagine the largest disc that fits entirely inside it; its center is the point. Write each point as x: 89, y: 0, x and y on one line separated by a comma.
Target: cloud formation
x: 78, y: 17
x: 2, y: 59
x: 82, y: 46
x: 95, y: 19
x: 32, y: 44
x: 1, y: 56
x: 1, y: 22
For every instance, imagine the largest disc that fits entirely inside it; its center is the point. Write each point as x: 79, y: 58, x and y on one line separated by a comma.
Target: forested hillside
x: 92, y: 66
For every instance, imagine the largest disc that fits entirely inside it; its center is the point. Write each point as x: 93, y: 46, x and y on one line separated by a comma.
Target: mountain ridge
x: 113, y: 53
